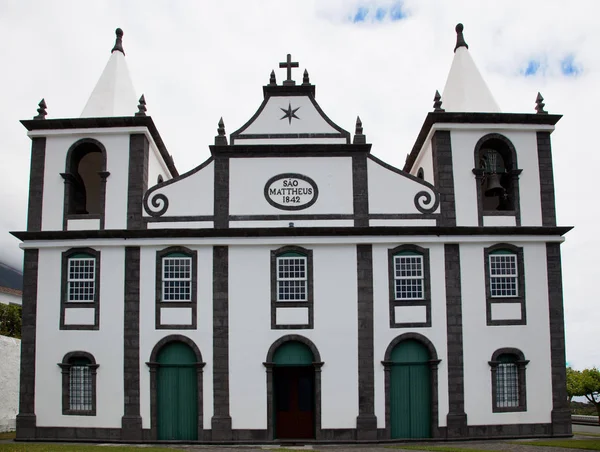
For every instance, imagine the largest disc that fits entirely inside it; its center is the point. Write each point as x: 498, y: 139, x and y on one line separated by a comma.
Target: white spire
x: 114, y: 94
x: 465, y: 89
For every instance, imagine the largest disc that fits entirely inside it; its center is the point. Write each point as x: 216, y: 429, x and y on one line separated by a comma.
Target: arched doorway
x: 294, y: 391
x: 410, y: 390
x: 177, y: 384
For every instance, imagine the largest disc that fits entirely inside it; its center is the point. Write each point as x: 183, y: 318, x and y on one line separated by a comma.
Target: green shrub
x: 10, y: 320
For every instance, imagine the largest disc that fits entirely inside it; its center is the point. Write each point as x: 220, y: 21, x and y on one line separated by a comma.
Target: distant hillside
x: 9, y: 277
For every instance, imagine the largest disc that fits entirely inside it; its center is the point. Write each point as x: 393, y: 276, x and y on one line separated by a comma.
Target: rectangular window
x: 80, y: 388
x: 503, y: 275
x: 177, y: 279
x: 507, y: 385
x: 81, y: 284
x: 292, y: 281
x: 408, y: 277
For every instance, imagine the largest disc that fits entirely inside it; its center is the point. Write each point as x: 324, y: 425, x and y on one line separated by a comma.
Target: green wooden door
x: 177, y: 393
x: 410, y: 391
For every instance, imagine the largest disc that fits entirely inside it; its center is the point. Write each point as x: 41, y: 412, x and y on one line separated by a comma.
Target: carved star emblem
x: 289, y: 113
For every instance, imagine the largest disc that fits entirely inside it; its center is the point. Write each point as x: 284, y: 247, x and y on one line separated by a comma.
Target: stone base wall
x: 10, y: 355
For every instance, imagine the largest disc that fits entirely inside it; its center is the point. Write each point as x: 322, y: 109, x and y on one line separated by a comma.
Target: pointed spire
x: 460, y: 39
x: 221, y: 138
x: 539, y: 105
x: 305, y: 79
x: 272, y: 80
x: 41, y: 111
x: 437, y: 102
x: 359, y: 137
x: 142, y: 107
x: 118, y: 42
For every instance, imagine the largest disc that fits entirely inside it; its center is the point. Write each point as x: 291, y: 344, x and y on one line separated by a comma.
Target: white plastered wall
x: 106, y: 344
x: 424, y: 160
x: 248, y: 176
x: 202, y: 336
x: 156, y: 167
x: 117, y: 163
x: 334, y: 334
x: 481, y: 341
x: 383, y: 334
x: 465, y: 190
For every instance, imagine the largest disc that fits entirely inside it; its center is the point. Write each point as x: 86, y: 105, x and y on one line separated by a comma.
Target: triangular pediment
x: 289, y: 115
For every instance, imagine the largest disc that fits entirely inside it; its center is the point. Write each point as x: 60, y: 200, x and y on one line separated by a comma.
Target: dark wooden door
x: 294, y: 402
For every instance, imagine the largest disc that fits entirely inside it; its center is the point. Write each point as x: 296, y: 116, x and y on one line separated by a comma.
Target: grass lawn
x: 586, y: 444
x: 440, y: 448
x: 28, y: 447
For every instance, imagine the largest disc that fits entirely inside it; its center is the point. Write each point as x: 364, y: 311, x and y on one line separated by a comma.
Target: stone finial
x: 41, y: 111
x: 118, y: 42
x: 221, y: 138
x: 539, y: 105
x: 305, y: 79
x: 359, y: 137
x: 460, y: 39
x: 142, y: 107
x: 272, y: 80
x: 437, y: 102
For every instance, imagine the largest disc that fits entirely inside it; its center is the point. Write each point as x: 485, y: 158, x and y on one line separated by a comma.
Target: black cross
x: 288, y: 65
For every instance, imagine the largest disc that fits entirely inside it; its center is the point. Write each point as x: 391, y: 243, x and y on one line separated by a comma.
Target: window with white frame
x: 81, y: 278
x: 292, y: 277
x: 80, y: 385
x: 503, y: 275
x: 408, y: 276
x: 507, y: 382
x: 176, y: 278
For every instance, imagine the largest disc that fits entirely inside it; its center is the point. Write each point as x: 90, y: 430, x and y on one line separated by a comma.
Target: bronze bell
x: 493, y: 187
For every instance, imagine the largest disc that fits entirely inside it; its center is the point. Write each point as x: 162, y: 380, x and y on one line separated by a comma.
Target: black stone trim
x: 291, y: 216
x: 290, y: 150
x: 426, y: 301
x: 546, y: 179
x: 64, y: 304
x: 473, y: 118
x: 520, y: 299
x: 153, y: 366
x: 436, y: 431
x: 102, y: 123
x: 65, y: 367
x: 269, y: 365
x: 360, y: 190
x: 366, y: 422
x: 561, y: 419
x: 139, y: 150
x: 131, y: 422
x: 307, y: 91
x: 422, y: 196
x: 514, y: 173
x: 521, y: 362
x: 36, y: 184
x: 324, y: 231
x: 457, y: 418
x: 180, y: 219
x: 443, y: 176
x: 159, y: 303
x: 68, y: 177
x: 26, y: 419
x: 221, y: 193
x: 221, y: 420
x: 160, y: 201
x: 291, y: 176
x: 288, y: 304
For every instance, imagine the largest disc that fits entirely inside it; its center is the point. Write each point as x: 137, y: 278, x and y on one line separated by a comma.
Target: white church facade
x: 293, y: 286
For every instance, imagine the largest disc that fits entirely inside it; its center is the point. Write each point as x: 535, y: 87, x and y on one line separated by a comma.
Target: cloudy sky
x: 383, y: 60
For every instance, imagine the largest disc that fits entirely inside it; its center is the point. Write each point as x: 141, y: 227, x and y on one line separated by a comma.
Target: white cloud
x: 198, y: 61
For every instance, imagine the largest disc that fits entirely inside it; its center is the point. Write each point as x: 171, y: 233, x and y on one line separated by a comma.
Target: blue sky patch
x: 532, y: 68
x: 568, y: 66
x: 393, y: 12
